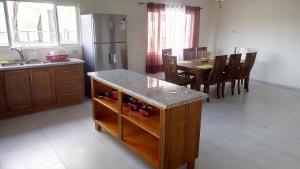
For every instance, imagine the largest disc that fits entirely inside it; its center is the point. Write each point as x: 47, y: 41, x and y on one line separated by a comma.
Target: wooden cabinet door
x: 17, y: 87
x: 42, y: 86
x: 2, y: 96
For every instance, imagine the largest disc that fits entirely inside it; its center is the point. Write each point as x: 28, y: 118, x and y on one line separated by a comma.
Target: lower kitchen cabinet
x: 42, y: 86
x: 2, y: 96
x: 17, y: 85
x: 34, y: 89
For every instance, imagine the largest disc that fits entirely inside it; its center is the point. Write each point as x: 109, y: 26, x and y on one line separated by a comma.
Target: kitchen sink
x: 12, y: 64
x: 18, y: 63
x: 33, y: 62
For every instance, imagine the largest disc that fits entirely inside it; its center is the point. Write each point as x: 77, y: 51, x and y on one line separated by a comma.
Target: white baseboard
x: 278, y: 85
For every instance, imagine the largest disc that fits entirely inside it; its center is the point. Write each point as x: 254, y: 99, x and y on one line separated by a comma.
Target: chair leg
x: 218, y: 91
x: 223, y: 89
x: 246, y: 86
x: 206, y: 90
x: 232, y: 87
x: 239, y: 86
x: 193, y: 86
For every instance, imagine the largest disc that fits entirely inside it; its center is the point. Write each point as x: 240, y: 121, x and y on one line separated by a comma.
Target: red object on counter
x: 57, y: 58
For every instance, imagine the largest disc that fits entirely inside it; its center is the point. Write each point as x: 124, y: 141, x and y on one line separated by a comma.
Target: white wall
x: 137, y: 21
x: 272, y: 27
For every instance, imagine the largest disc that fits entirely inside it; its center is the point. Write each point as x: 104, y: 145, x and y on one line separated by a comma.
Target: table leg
x: 198, y: 80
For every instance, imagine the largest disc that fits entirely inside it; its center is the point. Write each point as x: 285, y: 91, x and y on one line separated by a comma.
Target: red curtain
x: 193, y: 14
x: 156, y: 14
x: 157, y: 36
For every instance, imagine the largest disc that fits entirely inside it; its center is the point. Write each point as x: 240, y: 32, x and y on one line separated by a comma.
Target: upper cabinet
x: 18, y: 93
x: 42, y: 86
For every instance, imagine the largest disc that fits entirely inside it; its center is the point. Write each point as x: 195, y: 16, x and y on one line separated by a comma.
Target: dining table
x: 199, y: 68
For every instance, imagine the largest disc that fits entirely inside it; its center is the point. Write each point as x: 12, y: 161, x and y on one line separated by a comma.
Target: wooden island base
x: 167, y: 139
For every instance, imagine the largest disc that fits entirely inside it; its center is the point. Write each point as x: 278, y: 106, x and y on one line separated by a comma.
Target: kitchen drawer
x: 72, y: 80
x: 69, y: 93
x: 63, y: 72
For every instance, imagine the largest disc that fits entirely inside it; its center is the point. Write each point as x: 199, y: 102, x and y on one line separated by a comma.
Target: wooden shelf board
x: 109, y: 123
x: 108, y: 103
x: 150, y: 124
x: 141, y: 143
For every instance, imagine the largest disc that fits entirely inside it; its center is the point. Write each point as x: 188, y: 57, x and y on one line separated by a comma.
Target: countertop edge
x: 151, y: 101
x: 54, y: 64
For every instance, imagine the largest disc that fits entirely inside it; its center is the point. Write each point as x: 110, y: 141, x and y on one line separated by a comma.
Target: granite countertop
x: 27, y: 66
x: 154, y: 91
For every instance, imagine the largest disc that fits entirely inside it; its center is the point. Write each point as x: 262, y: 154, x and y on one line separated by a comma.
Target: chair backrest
x: 167, y: 52
x: 171, y: 73
x: 233, y: 67
x: 201, y: 52
x: 216, y: 73
x: 248, y: 65
x: 189, y: 54
x: 165, y: 59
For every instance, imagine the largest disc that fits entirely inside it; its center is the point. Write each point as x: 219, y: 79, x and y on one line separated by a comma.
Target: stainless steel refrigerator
x: 104, y: 43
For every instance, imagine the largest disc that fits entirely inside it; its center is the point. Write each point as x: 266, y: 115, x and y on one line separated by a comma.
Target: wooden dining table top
x: 199, y: 63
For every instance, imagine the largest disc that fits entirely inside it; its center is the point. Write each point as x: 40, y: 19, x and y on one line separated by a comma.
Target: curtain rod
x: 145, y: 3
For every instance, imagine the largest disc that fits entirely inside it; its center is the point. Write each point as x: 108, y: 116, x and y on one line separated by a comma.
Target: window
x: 32, y: 23
x: 3, y: 30
x: 38, y: 24
x: 67, y: 24
x: 170, y: 27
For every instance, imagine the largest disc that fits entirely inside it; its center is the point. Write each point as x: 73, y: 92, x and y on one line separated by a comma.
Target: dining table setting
x: 199, y: 68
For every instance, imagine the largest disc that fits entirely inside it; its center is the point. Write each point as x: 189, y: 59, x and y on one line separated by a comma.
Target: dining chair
x: 201, y: 52
x: 231, y: 71
x: 165, y: 59
x: 215, y: 76
x: 167, y: 52
x: 172, y: 75
x: 189, y: 54
x: 245, y: 70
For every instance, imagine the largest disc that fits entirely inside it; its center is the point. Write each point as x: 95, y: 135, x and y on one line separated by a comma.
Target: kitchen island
x: 167, y: 137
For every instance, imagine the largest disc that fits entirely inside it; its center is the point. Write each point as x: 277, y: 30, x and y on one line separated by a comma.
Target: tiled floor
x: 256, y: 130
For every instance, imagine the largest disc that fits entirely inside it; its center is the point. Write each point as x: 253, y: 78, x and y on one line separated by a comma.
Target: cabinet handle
x: 70, y: 82
x: 70, y: 94
x: 67, y: 71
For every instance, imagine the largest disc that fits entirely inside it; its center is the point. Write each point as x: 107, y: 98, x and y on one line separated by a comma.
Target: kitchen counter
x: 151, y: 90
x: 27, y: 66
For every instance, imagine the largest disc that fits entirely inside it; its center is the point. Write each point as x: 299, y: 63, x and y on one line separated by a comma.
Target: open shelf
x: 109, y: 123
x: 150, y: 124
x: 141, y: 142
x: 110, y: 104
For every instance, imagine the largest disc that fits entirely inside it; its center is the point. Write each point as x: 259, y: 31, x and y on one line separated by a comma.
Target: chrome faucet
x: 20, y: 52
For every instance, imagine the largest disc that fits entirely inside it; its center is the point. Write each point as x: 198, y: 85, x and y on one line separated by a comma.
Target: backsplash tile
x: 30, y: 53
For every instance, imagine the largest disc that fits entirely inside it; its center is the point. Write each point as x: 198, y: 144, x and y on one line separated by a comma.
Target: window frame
x: 55, y: 4
x: 77, y: 8
x: 7, y: 26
